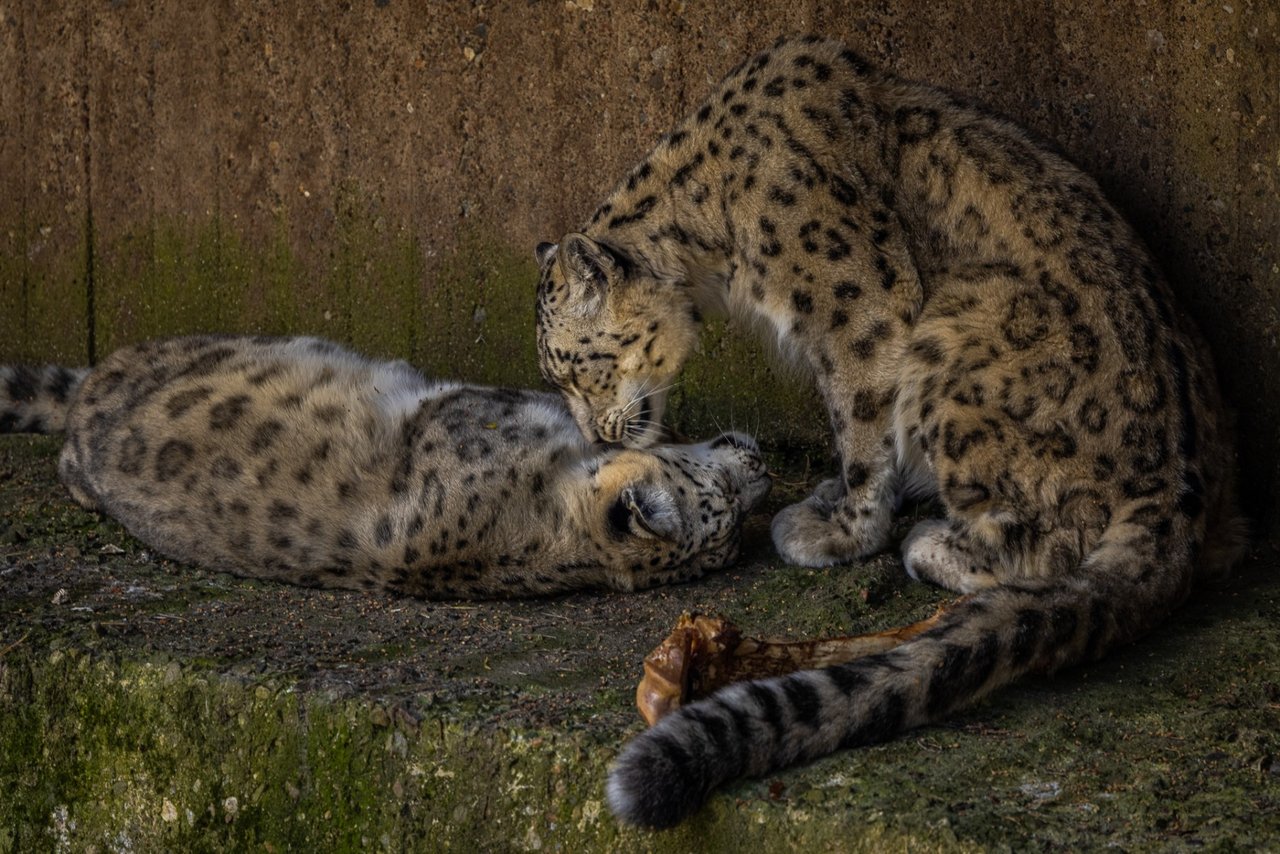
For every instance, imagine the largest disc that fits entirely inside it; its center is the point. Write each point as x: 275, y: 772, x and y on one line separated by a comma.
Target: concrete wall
x: 379, y: 171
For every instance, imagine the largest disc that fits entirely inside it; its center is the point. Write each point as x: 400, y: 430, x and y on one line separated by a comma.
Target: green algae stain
x: 481, y: 310
x: 43, y: 292
x: 273, y: 281
x: 733, y: 384
x: 376, y: 285
x: 462, y: 310
x: 184, y: 277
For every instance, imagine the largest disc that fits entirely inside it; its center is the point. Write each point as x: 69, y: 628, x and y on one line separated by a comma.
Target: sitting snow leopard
x: 982, y: 326
x: 295, y: 460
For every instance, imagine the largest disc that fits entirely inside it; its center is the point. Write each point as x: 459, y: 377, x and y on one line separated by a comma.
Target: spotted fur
x: 982, y: 326
x: 35, y: 400
x: 296, y: 460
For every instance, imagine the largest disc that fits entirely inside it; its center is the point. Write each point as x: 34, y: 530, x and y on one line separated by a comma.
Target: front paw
x: 937, y: 553
x: 821, y: 532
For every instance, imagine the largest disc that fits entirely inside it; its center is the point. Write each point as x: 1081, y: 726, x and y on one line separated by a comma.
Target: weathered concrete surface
x: 379, y: 171
x: 149, y: 706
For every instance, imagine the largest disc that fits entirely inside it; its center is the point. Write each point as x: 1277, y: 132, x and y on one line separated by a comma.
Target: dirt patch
x: 72, y: 577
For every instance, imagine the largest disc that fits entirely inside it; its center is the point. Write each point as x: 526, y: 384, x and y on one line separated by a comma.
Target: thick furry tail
x: 36, y: 399
x: 984, y: 642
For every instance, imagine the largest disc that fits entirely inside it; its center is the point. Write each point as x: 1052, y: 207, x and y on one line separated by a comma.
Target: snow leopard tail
x: 37, y: 399
x: 982, y: 643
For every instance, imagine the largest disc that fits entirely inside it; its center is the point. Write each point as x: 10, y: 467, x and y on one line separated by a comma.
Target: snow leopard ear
x: 545, y: 252
x: 647, y: 511
x: 589, y: 266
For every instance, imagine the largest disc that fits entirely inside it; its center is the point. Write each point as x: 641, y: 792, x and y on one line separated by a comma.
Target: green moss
x: 168, y: 278
x: 152, y: 756
x: 467, y: 314
x: 274, y: 283
x: 13, y: 286
x: 374, y: 293
x: 155, y: 755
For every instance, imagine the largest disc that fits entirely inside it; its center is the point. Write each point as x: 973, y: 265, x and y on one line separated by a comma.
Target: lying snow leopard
x: 982, y: 326
x: 293, y: 459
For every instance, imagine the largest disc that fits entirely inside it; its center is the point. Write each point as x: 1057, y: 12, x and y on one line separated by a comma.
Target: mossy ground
x: 146, y: 705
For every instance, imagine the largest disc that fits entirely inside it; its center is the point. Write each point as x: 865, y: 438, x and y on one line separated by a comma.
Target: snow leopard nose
x: 612, y: 427
x: 744, y: 467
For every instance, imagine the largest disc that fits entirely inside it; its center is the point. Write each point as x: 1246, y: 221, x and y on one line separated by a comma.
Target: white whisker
x: 644, y: 392
x: 640, y: 424
x: 637, y: 428
x: 667, y: 387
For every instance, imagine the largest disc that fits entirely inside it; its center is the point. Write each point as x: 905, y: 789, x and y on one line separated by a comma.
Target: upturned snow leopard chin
x: 296, y: 460
x: 982, y: 326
